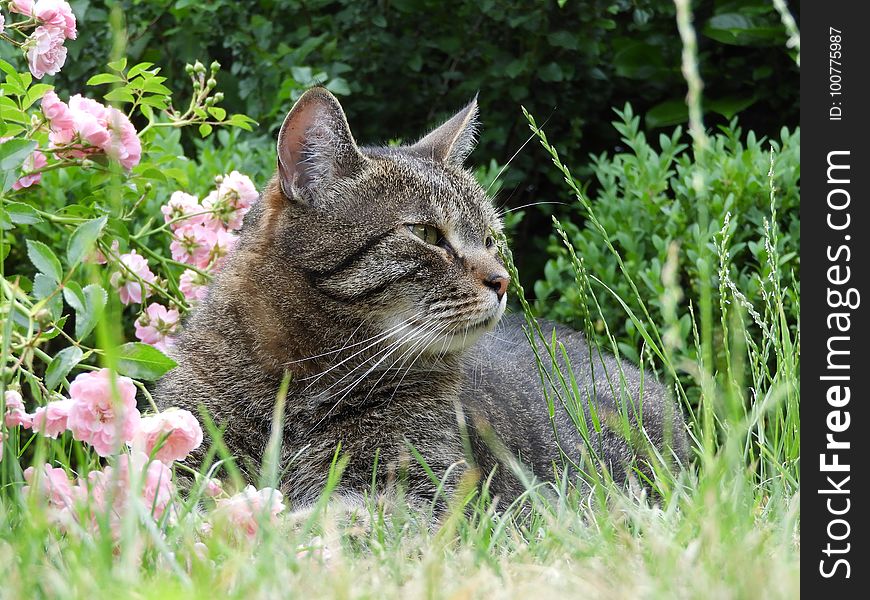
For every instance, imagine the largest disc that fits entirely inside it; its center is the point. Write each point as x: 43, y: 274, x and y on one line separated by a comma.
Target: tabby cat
x: 372, y: 276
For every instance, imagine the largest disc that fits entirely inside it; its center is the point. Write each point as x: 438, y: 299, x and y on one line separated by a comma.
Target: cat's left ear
x: 315, y: 146
x: 453, y: 141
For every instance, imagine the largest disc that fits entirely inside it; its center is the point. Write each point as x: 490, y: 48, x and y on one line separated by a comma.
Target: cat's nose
x: 498, y: 282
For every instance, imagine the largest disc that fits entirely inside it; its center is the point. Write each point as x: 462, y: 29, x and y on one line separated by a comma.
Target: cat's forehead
x: 420, y: 189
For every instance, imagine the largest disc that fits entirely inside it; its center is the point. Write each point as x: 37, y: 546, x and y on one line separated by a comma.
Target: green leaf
x: 729, y: 105
x: 22, y: 214
x: 118, y: 65
x: 205, y: 130
x: 83, y: 239
x: 14, y: 152
x: 667, y: 113
x: 96, y: 299
x: 45, y: 287
x: 119, y: 95
x: 104, y: 78
x: 217, y: 112
x: 44, y: 260
x: 155, y: 87
x: 88, y: 304
x: 60, y: 366
x: 35, y: 93
x: 141, y: 361
x: 242, y: 121
x: 155, y: 101
x: 138, y: 69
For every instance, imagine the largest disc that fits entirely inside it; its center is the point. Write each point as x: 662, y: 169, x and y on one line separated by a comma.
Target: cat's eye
x: 427, y: 233
x: 489, y: 242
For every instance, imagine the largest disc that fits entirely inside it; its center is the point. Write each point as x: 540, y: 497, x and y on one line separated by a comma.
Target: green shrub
x: 646, y: 201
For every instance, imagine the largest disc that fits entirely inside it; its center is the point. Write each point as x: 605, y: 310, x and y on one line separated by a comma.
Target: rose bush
x: 105, y: 247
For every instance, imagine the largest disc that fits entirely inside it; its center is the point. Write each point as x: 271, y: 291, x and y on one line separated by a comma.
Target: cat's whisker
x: 407, y: 371
x: 388, y: 348
x: 419, y: 342
x: 381, y: 337
x: 350, y: 388
x: 510, y: 160
x: 386, y: 351
x: 349, y: 346
x: 504, y: 212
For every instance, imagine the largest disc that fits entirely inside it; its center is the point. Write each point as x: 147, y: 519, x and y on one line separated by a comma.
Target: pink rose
x: 193, y: 285
x: 34, y: 162
x: 15, y: 413
x: 213, y: 487
x: 96, y: 418
x: 59, y: 115
x: 179, y: 430
x: 181, y: 205
x: 156, y: 484
x: 56, y: 13
x: 123, y: 145
x: 219, y: 243
x: 46, y: 53
x: 90, y: 120
x: 52, y: 487
x: 22, y: 7
x: 155, y: 481
x: 248, y: 508
x: 156, y: 324
x: 191, y: 244
x: 51, y: 420
x: 130, y: 288
x: 232, y: 199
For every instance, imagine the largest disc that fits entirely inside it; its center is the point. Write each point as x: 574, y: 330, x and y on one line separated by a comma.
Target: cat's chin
x: 466, y: 335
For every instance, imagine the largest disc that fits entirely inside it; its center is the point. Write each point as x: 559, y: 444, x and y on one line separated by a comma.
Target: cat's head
x: 401, y: 239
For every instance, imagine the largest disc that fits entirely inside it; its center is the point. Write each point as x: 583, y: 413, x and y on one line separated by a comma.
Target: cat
x: 372, y: 276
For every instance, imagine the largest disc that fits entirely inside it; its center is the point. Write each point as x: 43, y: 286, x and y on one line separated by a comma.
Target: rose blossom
x: 124, y: 145
x: 46, y: 53
x: 220, y: 242
x: 130, y: 289
x: 54, y: 489
x: 56, y: 13
x: 213, y: 487
x: 51, y: 420
x: 15, y: 413
x: 179, y: 430
x: 22, y: 7
x: 181, y: 205
x: 59, y: 115
x: 191, y: 244
x: 232, y: 200
x: 193, y: 285
x: 156, y: 324
x: 35, y: 161
x: 104, y: 129
x: 114, y: 482
x: 244, y: 510
x: 96, y: 418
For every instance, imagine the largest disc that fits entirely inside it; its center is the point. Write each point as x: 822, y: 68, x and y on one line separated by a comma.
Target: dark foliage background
x: 406, y: 63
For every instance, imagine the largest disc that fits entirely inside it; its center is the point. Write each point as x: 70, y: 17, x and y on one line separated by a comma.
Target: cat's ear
x: 453, y: 141
x: 315, y: 146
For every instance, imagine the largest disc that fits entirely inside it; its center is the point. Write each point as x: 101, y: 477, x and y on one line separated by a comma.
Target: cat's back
x: 503, y: 388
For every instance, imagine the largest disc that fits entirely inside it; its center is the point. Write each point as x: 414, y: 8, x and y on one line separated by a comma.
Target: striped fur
x: 391, y: 342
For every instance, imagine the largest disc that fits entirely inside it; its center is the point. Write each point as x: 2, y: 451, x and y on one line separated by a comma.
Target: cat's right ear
x: 315, y: 146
